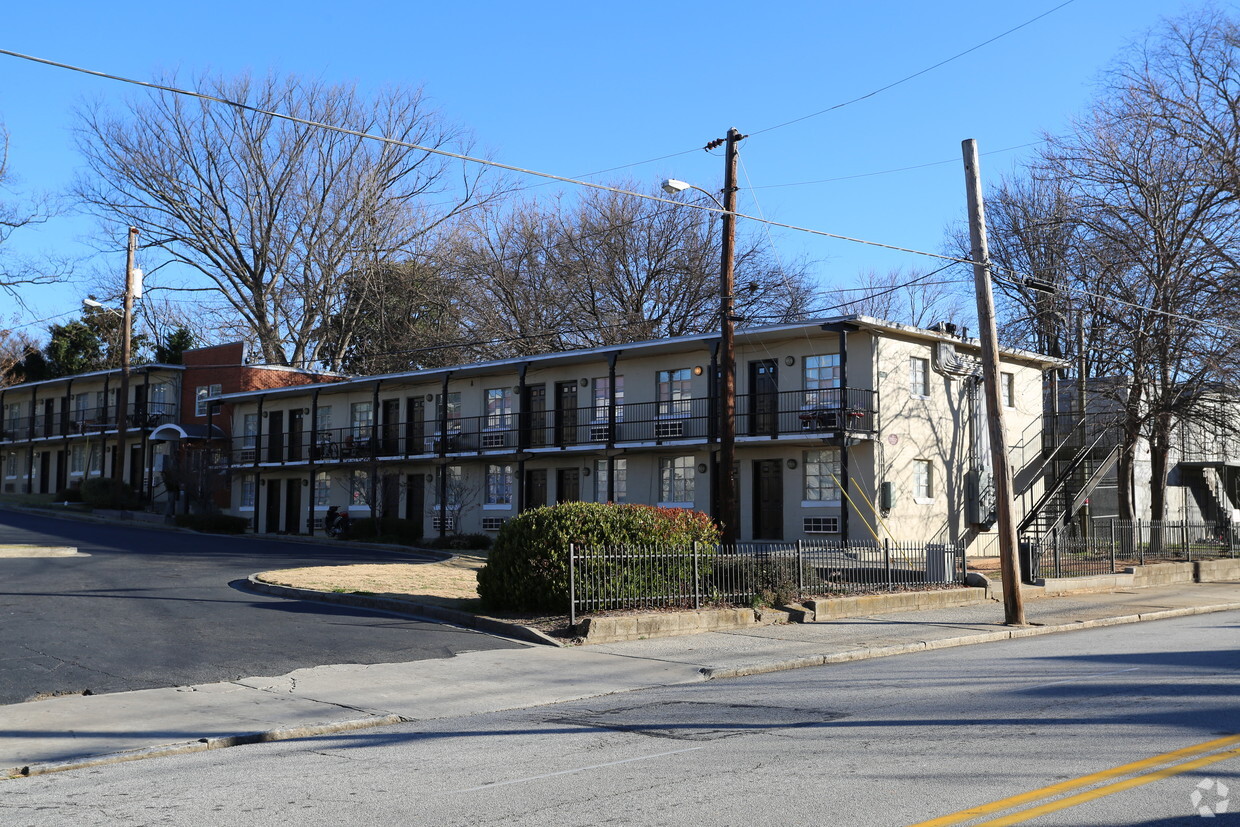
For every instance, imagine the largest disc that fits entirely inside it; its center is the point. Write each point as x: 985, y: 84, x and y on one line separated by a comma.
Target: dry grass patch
x: 449, y: 583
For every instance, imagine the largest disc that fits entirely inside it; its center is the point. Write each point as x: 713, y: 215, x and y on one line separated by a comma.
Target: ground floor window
x: 676, y: 481
x: 822, y: 470
x: 322, y: 489
x: 499, y: 485
x: 601, y: 481
x: 248, y: 491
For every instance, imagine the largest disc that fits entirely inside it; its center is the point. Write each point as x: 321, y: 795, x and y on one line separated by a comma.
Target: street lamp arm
x: 672, y: 186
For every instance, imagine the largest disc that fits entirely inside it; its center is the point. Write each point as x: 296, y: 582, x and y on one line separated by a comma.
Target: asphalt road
x: 150, y: 608
x: 893, y: 741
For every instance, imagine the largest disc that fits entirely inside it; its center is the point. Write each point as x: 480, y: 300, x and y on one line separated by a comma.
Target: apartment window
x: 1007, y: 386
x: 923, y: 480
x: 821, y: 525
x: 359, y: 488
x: 919, y: 376
x: 499, y: 408
x: 499, y: 485
x: 603, y: 397
x: 600, y: 480
x: 454, y: 411
x: 362, y: 419
x: 674, y: 392
x: 249, y: 430
x: 455, y: 486
x: 248, y: 491
x: 821, y: 375
x: 323, y: 413
x: 200, y: 397
x: 822, y: 469
x: 157, y: 401
x: 81, y: 406
x: 676, y: 481
x: 322, y: 489
x: 77, y: 459
x: 10, y: 464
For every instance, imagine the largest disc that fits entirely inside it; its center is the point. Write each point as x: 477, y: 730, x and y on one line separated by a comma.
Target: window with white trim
x: 1007, y: 387
x: 249, y: 430
x: 362, y: 419
x: 822, y: 469
x: 499, y: 408
x: 499, y: 485
x: 676, y: 478
x: 248, y: 492
x: 10, y: 464
x: 454, y: 411
x: 359, y: 488
x: 200, y: 397
x: 77, y: 459
x: 322, y: 489
x: 821, y: 525
x: 323, y: 413
x: 600, y: 480
x: 603, y: 398
x: 821, y: 375
x: 455, y: 485
x: 919, y: 376
x: 923, y: 480
x: 674, y: 392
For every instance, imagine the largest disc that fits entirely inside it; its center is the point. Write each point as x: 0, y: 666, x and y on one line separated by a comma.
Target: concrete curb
x: 205, y: 744
x: 965, y: 640
x: 425, y: 611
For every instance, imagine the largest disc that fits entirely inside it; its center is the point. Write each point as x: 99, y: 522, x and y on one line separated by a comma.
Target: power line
x: 917, y: 74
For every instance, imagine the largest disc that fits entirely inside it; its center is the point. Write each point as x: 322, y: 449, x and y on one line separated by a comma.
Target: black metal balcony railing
x: 787, y: 413
x: 75, y: 421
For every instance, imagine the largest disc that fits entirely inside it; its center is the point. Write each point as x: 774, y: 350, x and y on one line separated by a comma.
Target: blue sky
x: 571, y: 88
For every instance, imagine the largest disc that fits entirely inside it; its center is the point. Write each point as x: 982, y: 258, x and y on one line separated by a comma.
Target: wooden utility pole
x: 122, y: 402
x: 1013, y: 605
x: 729, y: 507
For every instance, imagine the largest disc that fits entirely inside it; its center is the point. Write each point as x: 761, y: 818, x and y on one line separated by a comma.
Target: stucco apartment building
x: 56, y: 433
x: 848, y: 427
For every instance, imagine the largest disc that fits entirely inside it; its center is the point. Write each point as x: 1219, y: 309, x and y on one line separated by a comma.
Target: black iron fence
x: 690, y: 577
x: 1107, y: 546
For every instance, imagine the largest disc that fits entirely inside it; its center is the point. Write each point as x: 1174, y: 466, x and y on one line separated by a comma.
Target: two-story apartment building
x: 849, y: 428
x: 56, y: 433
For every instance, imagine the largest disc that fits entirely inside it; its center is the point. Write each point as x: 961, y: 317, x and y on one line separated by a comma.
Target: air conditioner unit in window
x: 246, y: 455
x: 820, y: 420
x: 493, y: 440
x: 493, y: 523
x: 448, y: 524
x: 600, y: 433
x: 669, y: 430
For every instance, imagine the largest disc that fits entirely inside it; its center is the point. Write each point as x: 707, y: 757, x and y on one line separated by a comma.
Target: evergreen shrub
x: 105, y: 492
x: 527, y: 569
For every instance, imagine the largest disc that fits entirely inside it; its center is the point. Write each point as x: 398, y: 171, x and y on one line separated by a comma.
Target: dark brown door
x: 272, y: 523
x: 275, y: 436
x: 415, y: 429
x: 296, y: 434
x: 536, y: 415
x: 535, y: 487
x: 49, y: 417
x: 768, y: 499
x: 763, y: 397
x: 135, y: 467
x: 415, y: 499
x: 389, y: 496
x: 292, y: 506
x: 62, y: 481
x: 139, y: 406
x: 390, y: 433
x: 565, y: 413
x: 567, y: 485
x: 45, y: 471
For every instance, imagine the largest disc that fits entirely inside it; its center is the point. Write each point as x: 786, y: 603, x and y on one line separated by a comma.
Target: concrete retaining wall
x: 1162, y: 574
x: 664, y: 624
x: 1056, y: 586
x: 838, y: 607
x: 1214, y: 571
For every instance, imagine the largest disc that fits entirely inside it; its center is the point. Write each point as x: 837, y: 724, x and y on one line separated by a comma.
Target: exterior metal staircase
x: 1078, y: 452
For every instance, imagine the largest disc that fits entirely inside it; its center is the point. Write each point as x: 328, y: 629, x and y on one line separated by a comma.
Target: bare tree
x: 17, y: 213
x: 275, y: 214
x: 912, y: 297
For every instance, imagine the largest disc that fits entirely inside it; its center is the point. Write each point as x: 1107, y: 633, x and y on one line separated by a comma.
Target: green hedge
x: 213, y: 523
x: 458, y: 542
x: 105, y: 492
x: 527, y: 569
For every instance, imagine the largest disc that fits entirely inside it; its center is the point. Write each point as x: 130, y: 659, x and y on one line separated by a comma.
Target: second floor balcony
x: 801, y: 414
x: 77, y: 421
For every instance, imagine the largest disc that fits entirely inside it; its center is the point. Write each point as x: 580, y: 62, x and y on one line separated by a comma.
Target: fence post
x: 1112, y: 545
x: 697, y: 583
x: 800, y: 571
x: 1231, y: 539
x: 1138, y: 543
x: 572, y: 587
x: 887, y: 560
x: 1188, y: 549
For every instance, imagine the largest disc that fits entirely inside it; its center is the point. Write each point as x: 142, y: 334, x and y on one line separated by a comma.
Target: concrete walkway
x: 75, y: 731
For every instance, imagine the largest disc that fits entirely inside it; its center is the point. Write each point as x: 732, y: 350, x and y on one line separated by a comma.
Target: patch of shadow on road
x: 697, y: 720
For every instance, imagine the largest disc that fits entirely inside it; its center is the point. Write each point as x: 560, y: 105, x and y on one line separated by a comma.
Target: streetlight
x: 729, y: 510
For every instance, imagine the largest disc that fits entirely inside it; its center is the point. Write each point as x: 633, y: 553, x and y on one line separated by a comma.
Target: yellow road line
x: 1084, y: 781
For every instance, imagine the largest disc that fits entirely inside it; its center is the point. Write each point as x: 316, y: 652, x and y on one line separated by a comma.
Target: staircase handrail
x: 1057, y: 486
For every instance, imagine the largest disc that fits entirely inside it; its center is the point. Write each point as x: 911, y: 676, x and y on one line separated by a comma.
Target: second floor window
x: 1007, y: 387
x: 361, y: 419
x: 821, y: 375
x: 200, y: 397
x: 603, y: 398
x: 919, y: 376
x: 453, y: 411
x: 249, y: 430
x: 499, y: 408
x: 674, y: 392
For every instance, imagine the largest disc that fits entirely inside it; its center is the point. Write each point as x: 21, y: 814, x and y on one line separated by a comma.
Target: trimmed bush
x: 213, y: 523
x: 69, y: 495
x: 105, y: 492
x: 458, y: 542
x: 527, y: 569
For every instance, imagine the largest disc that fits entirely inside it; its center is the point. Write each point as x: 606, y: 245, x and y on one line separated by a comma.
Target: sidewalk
x: 75, y: 731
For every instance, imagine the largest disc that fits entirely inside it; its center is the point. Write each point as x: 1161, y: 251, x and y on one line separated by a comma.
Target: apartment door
x: 768, y: 499
x: 275, y: 436
x: 272, y: 522
x: 135, y: 467
x: 415, y: 498
x: 763, y: 397
x: 415, y: 429
x: 389, y: 496
x: 535, y: 488
x: 139, y: 406
x: 292, y: 506
x: 536, y: 417
x: 49, y: 417
x: 567, y: 485
x: 389, y: 435
x: 296, y: 434
x: 45, y: 471
x: 566, y: 413
x: 62, y: 479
